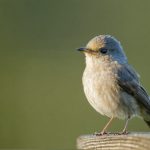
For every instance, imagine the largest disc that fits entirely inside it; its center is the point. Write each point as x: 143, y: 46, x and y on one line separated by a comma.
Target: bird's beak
x: 82, y: 49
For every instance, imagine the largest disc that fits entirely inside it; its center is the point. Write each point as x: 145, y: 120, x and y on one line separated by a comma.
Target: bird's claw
x: 122, y: 133
x: 108, y: 133
x: 101, y: 133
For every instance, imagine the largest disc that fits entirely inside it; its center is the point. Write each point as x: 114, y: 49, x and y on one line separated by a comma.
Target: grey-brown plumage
x: 110, y: 84
x: 131, y: 85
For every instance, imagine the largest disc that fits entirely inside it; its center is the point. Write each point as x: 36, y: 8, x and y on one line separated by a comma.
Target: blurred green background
x: 42, y: 104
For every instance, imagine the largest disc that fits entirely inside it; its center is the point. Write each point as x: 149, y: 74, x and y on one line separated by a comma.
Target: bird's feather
x: 128, y: 81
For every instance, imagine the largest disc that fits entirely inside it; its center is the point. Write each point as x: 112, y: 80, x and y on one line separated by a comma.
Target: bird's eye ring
x: 103, y: 50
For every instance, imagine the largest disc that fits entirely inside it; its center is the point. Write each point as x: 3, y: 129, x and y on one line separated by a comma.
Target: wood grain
x: 131, y: 141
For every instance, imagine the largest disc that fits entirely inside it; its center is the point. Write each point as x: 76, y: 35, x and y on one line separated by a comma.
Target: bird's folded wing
x: 129, y: 82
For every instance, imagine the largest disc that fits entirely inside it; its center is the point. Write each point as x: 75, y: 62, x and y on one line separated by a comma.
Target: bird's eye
x: 103, y: 50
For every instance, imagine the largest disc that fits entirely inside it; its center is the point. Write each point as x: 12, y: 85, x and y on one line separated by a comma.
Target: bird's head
x: 105, y: 47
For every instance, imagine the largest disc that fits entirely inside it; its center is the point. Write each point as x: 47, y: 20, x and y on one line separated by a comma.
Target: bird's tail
x: 146, y: 116
x: 145, y: 112
x: 147, y: 122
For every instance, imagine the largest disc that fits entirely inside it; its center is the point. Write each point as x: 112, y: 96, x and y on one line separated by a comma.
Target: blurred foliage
x: 42, y: 104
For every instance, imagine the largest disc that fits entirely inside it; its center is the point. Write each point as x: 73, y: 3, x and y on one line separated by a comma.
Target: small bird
x: 110, y: 84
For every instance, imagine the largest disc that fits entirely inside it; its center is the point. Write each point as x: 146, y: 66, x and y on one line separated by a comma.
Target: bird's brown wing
x: 129, y: 82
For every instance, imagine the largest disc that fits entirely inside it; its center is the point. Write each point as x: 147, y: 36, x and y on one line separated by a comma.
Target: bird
x: 111, y: 85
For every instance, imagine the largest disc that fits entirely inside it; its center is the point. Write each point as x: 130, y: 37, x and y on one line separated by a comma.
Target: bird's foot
x: 122, y: 133
x: 101, y: 133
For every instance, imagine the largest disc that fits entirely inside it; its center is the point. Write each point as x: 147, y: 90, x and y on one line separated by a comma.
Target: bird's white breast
x: 102, y: 91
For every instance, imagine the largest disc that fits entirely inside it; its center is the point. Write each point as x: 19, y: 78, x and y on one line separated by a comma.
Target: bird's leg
x: 106, y: 126
x: 124, y: 131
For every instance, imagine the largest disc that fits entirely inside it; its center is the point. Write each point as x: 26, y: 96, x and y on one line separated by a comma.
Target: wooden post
x: 131, y: 141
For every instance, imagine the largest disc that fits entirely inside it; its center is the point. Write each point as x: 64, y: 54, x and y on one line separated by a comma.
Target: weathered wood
x: 131, y: 141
